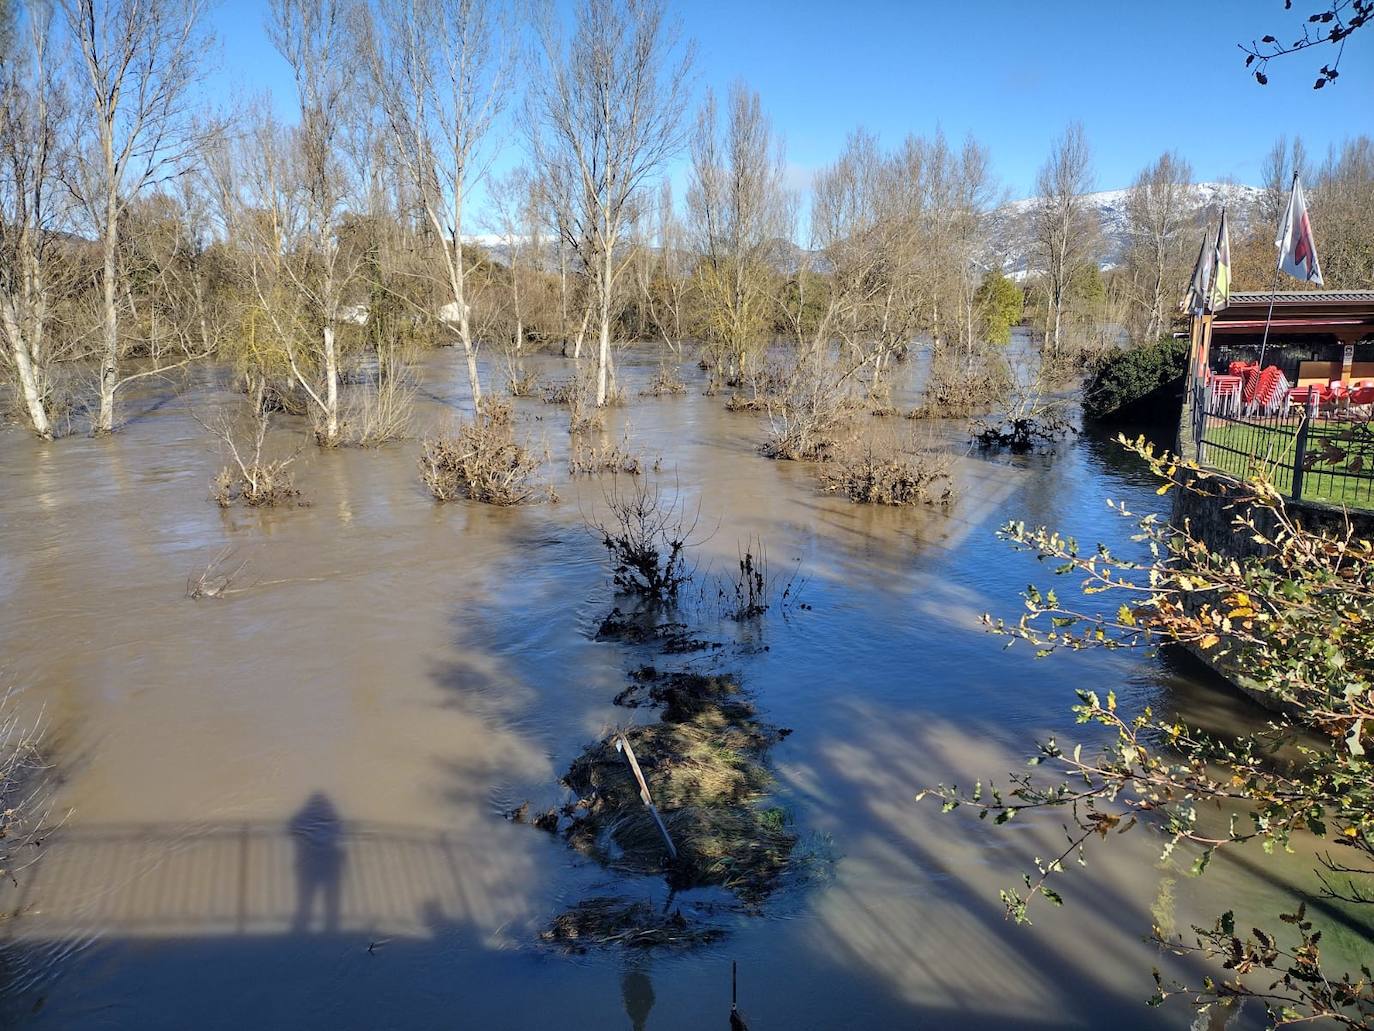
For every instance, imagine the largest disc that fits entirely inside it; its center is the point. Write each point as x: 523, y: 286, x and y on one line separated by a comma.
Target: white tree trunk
x: 109, y: 365
x: 331, y: 385
x: 581, y: 333
x: 603, y: 358
x: 457, y: 282
x: 25, y: 369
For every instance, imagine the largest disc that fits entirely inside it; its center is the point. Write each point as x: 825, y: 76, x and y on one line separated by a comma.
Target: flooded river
x: 286, y: 805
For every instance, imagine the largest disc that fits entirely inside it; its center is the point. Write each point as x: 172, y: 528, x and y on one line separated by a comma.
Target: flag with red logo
x: 1297, y: 249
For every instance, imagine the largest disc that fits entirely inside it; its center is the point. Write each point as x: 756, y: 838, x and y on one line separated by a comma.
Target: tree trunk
x: 24, y: 368
x: 603, y: 357
x: 519, y: 319
x: 581, y: 333
x: 109, y: 365
x: 464, y: 325
x: 331, y: 385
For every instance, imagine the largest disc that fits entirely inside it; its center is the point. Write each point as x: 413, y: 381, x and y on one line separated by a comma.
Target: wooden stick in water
x: 622, y: 745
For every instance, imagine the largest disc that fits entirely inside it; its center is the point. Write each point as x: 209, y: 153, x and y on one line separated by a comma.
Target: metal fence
x: 1315, y: 454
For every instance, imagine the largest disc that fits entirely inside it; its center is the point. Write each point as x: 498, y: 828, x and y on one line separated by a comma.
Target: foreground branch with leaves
x: 1293, y: 622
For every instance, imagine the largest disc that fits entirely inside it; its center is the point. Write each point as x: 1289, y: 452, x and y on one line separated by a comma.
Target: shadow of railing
x: 142, y: 880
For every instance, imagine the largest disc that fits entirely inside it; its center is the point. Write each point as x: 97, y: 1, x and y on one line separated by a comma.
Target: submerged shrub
x: 520, y: 382
x: 647, y: 542
x: 602, y: 921
x: 259, y: 485
x: 751, y: 587
x: 1026, y: 424
x: 481, y: 461
x: 608, y: 456
x: 23, y: 796
x: 382, y: 411
x: 807, y: 418
x: 1072, y: 359
x: 888, y: 472
x: 249, y: 477
x: 960, y: 386
x: 579, y: 393
x: 665, y: 383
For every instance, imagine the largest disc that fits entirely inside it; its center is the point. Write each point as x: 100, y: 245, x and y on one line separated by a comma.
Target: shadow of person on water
x: 317, y: 833
x: 638, y: 991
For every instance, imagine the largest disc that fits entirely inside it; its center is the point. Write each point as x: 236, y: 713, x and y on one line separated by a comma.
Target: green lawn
x: 1271, y: 449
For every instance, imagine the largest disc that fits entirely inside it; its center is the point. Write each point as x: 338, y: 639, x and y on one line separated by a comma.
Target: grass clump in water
x: 608, y: 921
x: 704, y: 765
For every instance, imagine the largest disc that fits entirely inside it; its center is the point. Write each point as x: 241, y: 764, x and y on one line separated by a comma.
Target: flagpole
x: 1278, y: 269
x: 1265, y: 342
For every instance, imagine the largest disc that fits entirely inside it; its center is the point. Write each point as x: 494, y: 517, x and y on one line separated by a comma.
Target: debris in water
x: 704, y: 765
x: 604, y: 921
x: 672, y: 638
x: 545, y: 821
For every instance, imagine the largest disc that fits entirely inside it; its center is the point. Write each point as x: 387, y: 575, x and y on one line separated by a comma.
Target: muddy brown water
x: 286, y: 804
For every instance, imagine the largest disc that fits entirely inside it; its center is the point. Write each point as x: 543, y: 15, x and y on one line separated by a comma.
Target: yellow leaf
x: 1210, y: 641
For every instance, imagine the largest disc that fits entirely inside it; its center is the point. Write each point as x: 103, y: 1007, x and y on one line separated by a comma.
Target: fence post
x: 1300, y: 447
x: 1199, y: 418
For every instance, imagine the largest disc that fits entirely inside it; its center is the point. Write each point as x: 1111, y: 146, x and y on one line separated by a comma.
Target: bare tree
x: 662, y: 276
x: 863, y: 231
x: 606, y: 114
x: 168, y: 246
x: 739, y: 212
x: 959, y: 193
x: 139, y: 61
x: 32, y: 126
x: 1159, y: 212
x: 1343, y: 210
x: 1283, y: 161
x: 902, y: 232
x: 515, y: 217
x: 441, y: 80
x: 304, y: 183
x: 1065, y: 232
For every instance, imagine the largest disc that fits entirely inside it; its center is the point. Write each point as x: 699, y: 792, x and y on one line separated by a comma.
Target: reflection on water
x: 638, y: 990
x: 286, y: 803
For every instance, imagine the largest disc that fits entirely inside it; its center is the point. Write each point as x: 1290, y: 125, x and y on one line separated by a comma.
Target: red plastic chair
x: 1272, y: 391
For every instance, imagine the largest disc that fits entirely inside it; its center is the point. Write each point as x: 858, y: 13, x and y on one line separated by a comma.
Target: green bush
x: 1002, y: 305
x: 1122, y: 379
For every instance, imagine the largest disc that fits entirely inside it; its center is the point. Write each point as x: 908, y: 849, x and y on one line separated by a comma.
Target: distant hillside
x: 1010, y: 243
x: 1012, y: 236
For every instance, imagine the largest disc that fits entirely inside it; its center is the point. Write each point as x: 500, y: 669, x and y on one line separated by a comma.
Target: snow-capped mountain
x: 1012, y: 235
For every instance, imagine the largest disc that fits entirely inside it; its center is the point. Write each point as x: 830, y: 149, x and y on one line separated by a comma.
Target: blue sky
x: 1143, y: 76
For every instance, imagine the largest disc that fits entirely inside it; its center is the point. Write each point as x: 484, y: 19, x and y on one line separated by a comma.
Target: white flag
x: 1297, y: 249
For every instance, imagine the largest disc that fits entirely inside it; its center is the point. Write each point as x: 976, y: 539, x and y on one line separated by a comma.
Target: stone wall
x: 1212, y: 519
